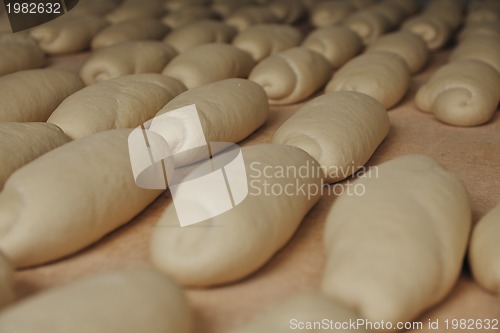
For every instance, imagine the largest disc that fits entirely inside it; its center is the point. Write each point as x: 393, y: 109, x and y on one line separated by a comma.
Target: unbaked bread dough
x: 297, y: 313
x: 32, y: 95
x: 484, y: 251
x: 287, y: 11
x: 93, y: 7
x: 198, y: 33
x: 69, y: 198
x: 263, y: 40
x: 328, y: 13
x: 339, y: 130
x: 126, y: 58
x: 234, y: 244
x: 434, y: 31
x: 188, y: 14
x: 67, y: 34
x: 471, y: 30
x: 448, y: 11
x: 246, y: 16
x: 368, y: 24
x: 292, y: 75
x: 209, y: 63
x: 126, y: 301
x: 396, y: 239
x: 409, y: 46
x: 381, y: 75
x: 23, y: 142
x: 226, y: 7
x: 139, y: 29
x: 6, y: 282
x: 390, y: 12
x: 123, y: 102
x: 409, y: 7
x: 132, y: 9
x: 483, y: 12
x: 461, y: 93
x: 19, y: 53
x: 338, y: 44
x: 482, y: 48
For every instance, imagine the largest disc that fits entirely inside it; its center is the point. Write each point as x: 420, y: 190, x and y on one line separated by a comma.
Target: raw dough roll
x: 226, y: 7
x: 198, y: 33
x: 369, y: 25
x: 434, y: 31
x: 339, y: 130
x: 124, y: 102
x: 328, y: 13
x: 287, y: 11
x: 126, y: 301
x: 138, y: 29
x: 6, y: 282
x: 69, y: 198
x: 292, y: 75
x: 187, y: 14
x: 471, y: 30
x: 263, y: 40
x: 381, y: 75
x: 461, y: 93
x: 409, y: 7
x: 209, y: 63
x: 23, y: 142
x: 482, y: 48
x: 244, y: 17
x: 19, y: 53
x: 236, y: 243
x: 397, y: 249
x: 409, y: 46
x: 132, y: 9
x: 126, y: 58
x: 67, y: 34
x: 483, y: 12
x: 305, y: 308
x: 484, y: 251
x: 32, y: 95
x: 390, y: 12
x: 337, y: 44
x: 448, y: 11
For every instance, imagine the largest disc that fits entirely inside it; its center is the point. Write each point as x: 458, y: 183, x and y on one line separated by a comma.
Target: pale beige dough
x: 188, y: 14
x: 448, y: 11
x: 6, y: 282
x: 292, y: 75
x: 236, y: 243
x: 483, y: 12
x: 32, y: 95
x: 482, y: 48
x: 338, y: 44
x: 125, y: 301
x: 301, y: 311
x: 328, y: 13
x: 409, y: 46
x: 139, y: 29
x: 391, y: 12
x: 226, y: 7
x: 126, y: 58
x: 471, y: 30
x: 124, y: 102
x: 287, y: 11
x: 93, y: 7
x: 368, y: 24
x: 209, y: 63
x: 245, y: 16
x: 434, y: 31
x: 263, y: 40
x: 200, y: 32
x: 69, y: 198
x: 132, y: 9
x: 23, y: 142
x: 19, y: 53
x: 381, y: 75
x: 461, y: 93
x: 67, y: 34
x: 396, y: 239
x: 484, y: 251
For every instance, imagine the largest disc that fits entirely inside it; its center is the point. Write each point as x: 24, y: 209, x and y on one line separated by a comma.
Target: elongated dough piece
x: 328, y: 13
x: 245, y: 16
x: 287, y: 11
x: 298, y: 314
x: 69, y: 198
x: 482, y: 48
x: 188, y: 14
x: 337, y: 44
x: 381, y: 75
x: 409, y: 46
x: 132, y: 9
x: 484, y: 251
x: 239, y: 241
x: 209, y: 63
x: 471, y: 30
x: 292, y: 75
x: 397, y: 247
x: 263, y: 40
x: 461, y: 93
x: 368, y: 24
x: 6, y: 282
x: 23, y: 142
x: 138, y: 29
x: 32, y: 95
x: 19, y: 53
x: 434, y: 31
x: 339, y: 130
x: 124, y: 102
x: 67, y: 34
x: 126, y: 301
x: 126, y: 58
x: 198, y: 33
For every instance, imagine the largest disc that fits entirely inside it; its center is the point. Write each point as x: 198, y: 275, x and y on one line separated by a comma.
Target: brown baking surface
x: 471, y: 153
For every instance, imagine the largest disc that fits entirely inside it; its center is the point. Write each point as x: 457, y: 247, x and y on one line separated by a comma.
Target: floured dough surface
x: 19, y: 53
